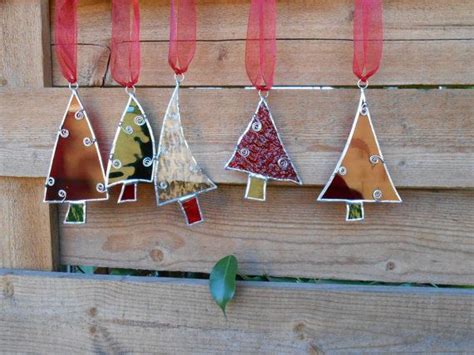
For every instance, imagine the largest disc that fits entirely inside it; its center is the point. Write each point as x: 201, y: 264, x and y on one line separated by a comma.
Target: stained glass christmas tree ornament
x: 76, y: 173
x: 133, y: 151
x: 361, y: 175
x: 261, y: 153
x: 178, y: 177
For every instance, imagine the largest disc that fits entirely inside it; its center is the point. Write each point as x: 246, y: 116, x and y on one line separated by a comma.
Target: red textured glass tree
x: 261, y: 153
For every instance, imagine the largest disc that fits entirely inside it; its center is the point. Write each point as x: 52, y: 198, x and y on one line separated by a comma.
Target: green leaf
x: 222, y: 281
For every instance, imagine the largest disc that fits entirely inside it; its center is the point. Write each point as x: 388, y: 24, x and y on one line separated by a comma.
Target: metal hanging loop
x: 363, y: 84
x: 130, y: 90
x: 73, y: 86
x: 179, y: 78
x: 263, y: 94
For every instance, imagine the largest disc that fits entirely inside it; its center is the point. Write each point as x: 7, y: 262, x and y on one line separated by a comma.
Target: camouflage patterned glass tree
x: 133, y: 151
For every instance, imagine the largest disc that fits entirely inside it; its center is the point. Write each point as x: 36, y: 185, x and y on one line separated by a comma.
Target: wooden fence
x: 423, y: 110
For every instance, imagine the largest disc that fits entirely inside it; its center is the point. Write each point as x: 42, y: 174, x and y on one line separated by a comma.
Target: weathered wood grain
x: 63, y: 313
x: 427, y: 43
x: 24, y: 41
x: 426, y: 239
x: 304, y: 19
x: 426, y: 136
x: 27, y: 226
x: 300, y: 62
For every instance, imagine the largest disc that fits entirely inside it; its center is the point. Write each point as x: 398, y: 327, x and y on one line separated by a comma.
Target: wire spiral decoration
x: 79, y: 115
x: 88, y: 142
x: 377, y: 194
x: 147, y: 162
x: 364, y: 110
x: 244, y: 152
x: 62, y: 194
x: 139, y: 120
x: 117, y: 164
x: 257, y: 125
x: 374, y: 159
x: 283, y: 163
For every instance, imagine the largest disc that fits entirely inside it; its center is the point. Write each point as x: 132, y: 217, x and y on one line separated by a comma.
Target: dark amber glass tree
x: 76, y: 173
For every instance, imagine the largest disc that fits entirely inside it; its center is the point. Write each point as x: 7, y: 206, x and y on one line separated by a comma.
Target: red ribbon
x: 368, y: 37
x: 66, y: 38
x: 260, y: 51
x: 125, y: 57
x: 182, y: 45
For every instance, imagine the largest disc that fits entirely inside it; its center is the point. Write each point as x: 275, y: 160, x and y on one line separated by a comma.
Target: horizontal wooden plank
x: 65, y: 313
x: 428, y: 238
x: 324, y: 19
x: 425, y: 41
x: 426, y: 136
x: 299, y: 62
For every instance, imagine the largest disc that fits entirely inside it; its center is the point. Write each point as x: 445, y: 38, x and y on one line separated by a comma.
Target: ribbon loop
x: 182, y: 44
x: 260, y: 50
x: 66, y: 38
x: 368, y: 38
x: 125, y: 56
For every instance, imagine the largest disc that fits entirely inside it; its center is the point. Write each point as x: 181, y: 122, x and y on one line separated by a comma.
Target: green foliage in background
x: 261, y: 278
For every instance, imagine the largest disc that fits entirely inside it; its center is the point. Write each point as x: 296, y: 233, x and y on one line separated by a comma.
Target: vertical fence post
x: 28, y: 228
